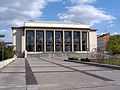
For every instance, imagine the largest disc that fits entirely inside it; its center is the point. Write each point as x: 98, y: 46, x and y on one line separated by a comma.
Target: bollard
x: 25, y: 54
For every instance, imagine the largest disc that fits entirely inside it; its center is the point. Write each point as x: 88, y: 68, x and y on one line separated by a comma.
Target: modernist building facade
x: 46, y: 36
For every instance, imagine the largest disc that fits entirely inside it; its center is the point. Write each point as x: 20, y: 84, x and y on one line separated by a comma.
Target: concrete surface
x: 56, y: 74
x: 5, y: 62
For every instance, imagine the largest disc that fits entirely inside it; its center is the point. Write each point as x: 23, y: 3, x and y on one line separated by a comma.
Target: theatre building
x: 46, y: 36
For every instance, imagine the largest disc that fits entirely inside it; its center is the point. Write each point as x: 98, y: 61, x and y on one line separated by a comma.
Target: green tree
x: 8, y: 52
x: 113, y: 44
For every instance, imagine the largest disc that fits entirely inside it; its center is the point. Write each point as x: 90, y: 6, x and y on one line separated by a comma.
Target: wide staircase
x: 59, y: 55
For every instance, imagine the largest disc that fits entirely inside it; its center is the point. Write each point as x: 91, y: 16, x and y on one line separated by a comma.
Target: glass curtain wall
x: 76, y: 41
x: 58, y: 41
x: 39, y: 41
x: 30, y: 40
x: 84, y: 41
x: 49, y: 41
x: 68, y: 41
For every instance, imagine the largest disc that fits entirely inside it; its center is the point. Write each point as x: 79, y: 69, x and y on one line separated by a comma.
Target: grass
x: 113, y: 61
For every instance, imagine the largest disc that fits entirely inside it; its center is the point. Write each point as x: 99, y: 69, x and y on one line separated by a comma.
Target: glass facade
x: 49, y: 41
x: 30, y: 40
x: 84, y: 41
x: 58, y: 41
x: 39, y: 40
x: 40, y: 47
x: 68, y: 41
x: 76, y: 41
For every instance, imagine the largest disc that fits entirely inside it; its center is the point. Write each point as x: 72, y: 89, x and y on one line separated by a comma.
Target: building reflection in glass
x: 30, y: 40
x: 68, y: 41
x: 58, y: 41
x: 39, y: 41
x: 49, y: 41
x: 84, y: 41
x: 76, y: 36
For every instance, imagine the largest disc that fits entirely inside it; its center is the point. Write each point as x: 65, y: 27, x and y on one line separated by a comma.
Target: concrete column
x: 63, y: 42
x: 87, y: 40
x: 14, y: 39
x: 34, y: 40
x: 44, y: 40
x: 72, y: 42
x: 80, y: 40
x: 24, y: 41
x: 54, y: 39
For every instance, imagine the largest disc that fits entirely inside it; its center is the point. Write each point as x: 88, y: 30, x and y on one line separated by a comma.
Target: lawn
x: 113, y: 61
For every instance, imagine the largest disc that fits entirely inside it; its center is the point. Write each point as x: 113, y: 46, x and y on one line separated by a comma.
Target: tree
x: 113, y: 44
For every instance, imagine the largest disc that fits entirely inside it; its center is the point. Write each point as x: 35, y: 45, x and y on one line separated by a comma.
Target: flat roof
x: 55, y: 24
x: 54, y: 28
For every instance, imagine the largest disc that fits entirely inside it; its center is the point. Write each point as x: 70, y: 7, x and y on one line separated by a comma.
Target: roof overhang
x: 55, y: 24
x: 53, y: 28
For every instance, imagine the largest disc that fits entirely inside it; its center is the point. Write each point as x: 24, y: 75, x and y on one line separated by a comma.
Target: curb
x: 96, y: 64
x: 6, y: 62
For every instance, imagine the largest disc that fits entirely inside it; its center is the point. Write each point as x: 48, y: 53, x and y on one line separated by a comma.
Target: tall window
x: 49, y: 41
x: 84, y: 41
x: 30, y: 40
x: 39, y: 40
x: 58, y: 41
x: 68, y: 41
x: 76, y: 41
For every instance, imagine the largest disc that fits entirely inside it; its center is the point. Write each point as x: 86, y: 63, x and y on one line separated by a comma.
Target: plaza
x: 55, y: 74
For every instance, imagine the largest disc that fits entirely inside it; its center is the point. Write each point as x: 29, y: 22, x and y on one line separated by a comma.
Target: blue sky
x: 101, y: 14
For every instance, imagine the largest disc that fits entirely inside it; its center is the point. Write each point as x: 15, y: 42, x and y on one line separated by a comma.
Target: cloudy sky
x: 101, y: 14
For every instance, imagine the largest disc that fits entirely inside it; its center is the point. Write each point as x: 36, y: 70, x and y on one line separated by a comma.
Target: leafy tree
x: 8, y: 52
x: 113, y: 44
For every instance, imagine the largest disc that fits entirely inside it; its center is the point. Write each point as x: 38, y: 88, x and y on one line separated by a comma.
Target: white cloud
x: 53, y: 0
x: 15, y: 12
x: 116, y: 33
x: 82, y: 1
x: 8, y: 35
x: 85, y: 13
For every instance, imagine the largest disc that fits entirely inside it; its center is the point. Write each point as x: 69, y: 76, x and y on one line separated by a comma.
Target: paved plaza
x: 56, y: 74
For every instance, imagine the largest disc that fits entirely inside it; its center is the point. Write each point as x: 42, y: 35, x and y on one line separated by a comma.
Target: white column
x: 80, y: 40
x: 34, y: 40
x: 14, y: 39
x: 63, y: 42
x: 54, y: 39
x: 87, y: 40
x: 72, y: 42
x: 24, y: 40
x: 44, y: 40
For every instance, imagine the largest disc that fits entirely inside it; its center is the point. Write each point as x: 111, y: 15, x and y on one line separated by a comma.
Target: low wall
x: 6, y: 62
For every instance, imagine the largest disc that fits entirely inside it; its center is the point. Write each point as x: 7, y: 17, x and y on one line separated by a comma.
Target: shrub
x: 85, y: 59
x: 73, y: 58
